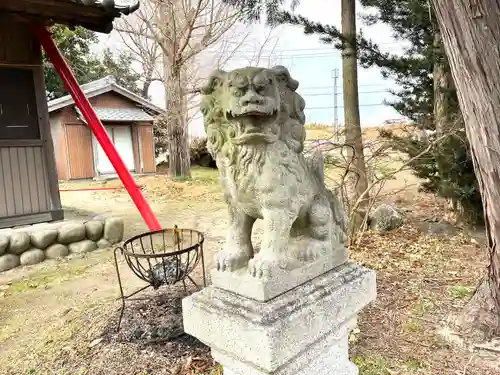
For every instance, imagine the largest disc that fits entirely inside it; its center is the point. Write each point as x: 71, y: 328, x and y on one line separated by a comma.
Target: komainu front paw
x: 262, y: 267
x: 231, y: 260
x: 307, y: 254
x: 312, y: 251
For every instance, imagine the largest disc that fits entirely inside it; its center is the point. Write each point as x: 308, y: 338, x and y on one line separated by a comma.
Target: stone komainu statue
x: 254, y: 121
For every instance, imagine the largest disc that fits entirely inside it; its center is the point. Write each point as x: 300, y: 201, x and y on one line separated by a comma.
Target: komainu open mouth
x: 253, y: 130
x: 252, y: 115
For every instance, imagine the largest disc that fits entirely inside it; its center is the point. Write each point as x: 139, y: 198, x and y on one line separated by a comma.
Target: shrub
x: 199, y: 154
x: 447, y: 170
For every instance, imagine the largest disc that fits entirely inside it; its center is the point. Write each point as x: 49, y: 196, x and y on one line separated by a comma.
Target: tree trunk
x: 353, y: 137
x: 148, y: 80
x: 176, y: 125
x: 177, y: 134
x: 471, y: 36
x: 443, y: 84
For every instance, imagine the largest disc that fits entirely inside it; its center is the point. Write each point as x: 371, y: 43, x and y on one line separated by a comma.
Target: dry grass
x: 422, y: 279
x: 203, y: 186
x: 370, y: 133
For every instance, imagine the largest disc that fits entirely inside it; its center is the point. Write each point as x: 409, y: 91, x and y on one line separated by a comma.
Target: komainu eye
x: 237, y: 80
x: 237, y: 92
x: 260, y: 81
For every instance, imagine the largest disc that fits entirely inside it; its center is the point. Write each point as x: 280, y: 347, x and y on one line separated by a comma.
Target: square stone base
x: 327, y: 356
x: 243, y: 284
x: 303, y: 331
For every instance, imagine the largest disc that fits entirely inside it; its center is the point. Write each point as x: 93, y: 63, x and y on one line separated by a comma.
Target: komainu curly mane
x: 254, y: 120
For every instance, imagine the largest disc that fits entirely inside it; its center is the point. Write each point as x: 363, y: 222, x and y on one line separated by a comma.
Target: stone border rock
x: 33, y: 244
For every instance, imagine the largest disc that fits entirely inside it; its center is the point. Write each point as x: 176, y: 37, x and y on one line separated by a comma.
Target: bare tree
x: 382, y: 164
x: 179, y: 43
x: 168, y: 35
x: 143, y: 48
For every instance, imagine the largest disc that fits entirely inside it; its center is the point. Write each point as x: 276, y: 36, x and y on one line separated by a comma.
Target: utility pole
x: 353, y: 137
x: 335, y: 105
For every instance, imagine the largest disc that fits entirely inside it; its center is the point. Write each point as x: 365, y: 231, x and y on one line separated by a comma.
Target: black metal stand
x: 151, y: 282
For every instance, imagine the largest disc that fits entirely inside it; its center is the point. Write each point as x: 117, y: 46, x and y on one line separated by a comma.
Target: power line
x: 332, y: 107
x: 277, y: 49
x: 341, y: 93
x: 277, y: 56
x: 328, y: 87
x: 368, y: 92
x: 326, y: 48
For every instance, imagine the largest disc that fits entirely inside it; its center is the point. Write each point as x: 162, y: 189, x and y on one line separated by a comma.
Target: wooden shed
x: 128, y: 119
x: 28, y: 180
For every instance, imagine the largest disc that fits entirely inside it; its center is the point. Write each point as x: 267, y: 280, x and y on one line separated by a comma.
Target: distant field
x: 320, y: 131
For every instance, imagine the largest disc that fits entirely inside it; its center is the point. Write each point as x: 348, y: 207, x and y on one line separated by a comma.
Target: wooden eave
x: 69, y: 12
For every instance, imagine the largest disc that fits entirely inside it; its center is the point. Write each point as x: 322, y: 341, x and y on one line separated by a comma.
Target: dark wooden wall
x: 27, y: 164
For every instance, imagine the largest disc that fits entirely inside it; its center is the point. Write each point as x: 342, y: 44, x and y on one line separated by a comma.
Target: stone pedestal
x: 303, y: 331
x: 262, y: 290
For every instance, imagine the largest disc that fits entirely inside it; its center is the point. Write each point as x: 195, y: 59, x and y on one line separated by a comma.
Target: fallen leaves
x: 194, y: 366
x: 415, y: 273
x: 95, y: 342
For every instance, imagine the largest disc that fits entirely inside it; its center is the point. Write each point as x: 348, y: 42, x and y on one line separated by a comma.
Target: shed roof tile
x: 120, y: 114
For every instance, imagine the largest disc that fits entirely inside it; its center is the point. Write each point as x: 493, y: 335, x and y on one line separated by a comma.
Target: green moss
x: 379, y: 365
x: 413, y: 364
x: 425, y: 306
x: 204, y: 176
x: 411, y: 326
x: 461, y: 292
x: 44, y: 279
x: 376, y: 365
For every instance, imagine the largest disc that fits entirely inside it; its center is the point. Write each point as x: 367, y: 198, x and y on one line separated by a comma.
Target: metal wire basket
x: 163, y: 257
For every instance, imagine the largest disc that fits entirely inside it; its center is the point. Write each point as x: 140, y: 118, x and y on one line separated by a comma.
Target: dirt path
x: 51, y: 313
x: 42, y: 307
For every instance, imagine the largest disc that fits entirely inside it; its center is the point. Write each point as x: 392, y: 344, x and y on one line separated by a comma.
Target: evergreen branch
x: 369, y: 53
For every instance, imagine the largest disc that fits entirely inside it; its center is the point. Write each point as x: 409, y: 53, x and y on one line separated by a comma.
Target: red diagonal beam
x: 45, y: 39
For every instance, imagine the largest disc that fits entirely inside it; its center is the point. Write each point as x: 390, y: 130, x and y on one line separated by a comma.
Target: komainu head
x: 250, y: 106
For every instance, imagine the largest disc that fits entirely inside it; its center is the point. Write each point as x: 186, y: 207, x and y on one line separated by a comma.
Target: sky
x: 312, y: 63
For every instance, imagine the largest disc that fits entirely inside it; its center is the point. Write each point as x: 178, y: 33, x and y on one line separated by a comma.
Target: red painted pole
x: 45, y: 39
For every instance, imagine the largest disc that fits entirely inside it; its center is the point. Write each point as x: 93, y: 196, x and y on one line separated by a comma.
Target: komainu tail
x: 339, y: 215
x: 316, y: 163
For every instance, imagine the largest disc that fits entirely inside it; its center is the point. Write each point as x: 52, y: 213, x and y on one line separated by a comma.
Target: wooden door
x: 79, y: 145
x: 147, y: 149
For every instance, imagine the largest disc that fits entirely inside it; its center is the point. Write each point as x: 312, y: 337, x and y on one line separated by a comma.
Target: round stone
x: 32, y: 256
x: 81, y: 247
x: 94, y: 229
x: 103, y: 243
x: 56, y: 250
x: 4, y: 243
x: 19, y: 242
x: 69, y: 233
x: 113, y: 229
x: 8, y: 261
x: 43, y: 238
